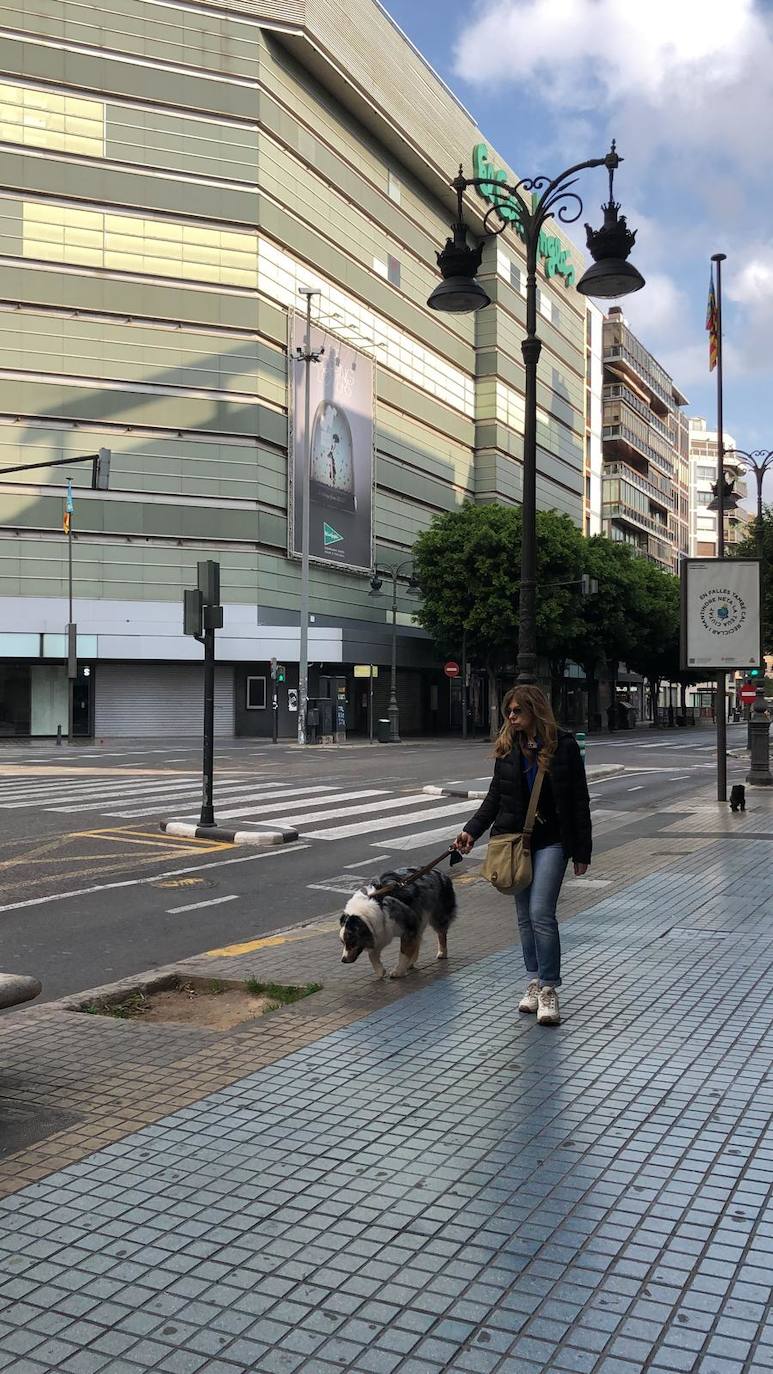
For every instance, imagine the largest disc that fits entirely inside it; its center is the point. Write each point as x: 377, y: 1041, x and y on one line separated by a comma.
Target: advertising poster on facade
x: 720, y: 614
x: 342, y: 449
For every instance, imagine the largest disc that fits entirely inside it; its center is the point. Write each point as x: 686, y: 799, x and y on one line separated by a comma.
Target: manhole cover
x: 25, y: 1123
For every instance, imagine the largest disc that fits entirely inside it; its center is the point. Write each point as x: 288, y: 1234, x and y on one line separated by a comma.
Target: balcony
x: 628, y: 437
x: 618, y: 391
x: 622, y: 356
x: 663, y: 497
x: 620, y: 510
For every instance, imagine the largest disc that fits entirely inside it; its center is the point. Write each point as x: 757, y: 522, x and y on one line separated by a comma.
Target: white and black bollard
x: 759, y: 728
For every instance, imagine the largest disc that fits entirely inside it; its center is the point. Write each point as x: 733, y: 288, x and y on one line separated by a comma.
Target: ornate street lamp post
x: 393, y: 710
x: 531, y: 201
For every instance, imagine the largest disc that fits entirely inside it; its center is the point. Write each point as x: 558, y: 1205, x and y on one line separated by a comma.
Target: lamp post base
x: 394, y: 724
x: 759, y: 774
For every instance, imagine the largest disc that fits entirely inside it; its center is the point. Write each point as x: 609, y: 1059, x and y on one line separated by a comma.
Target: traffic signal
x: 100, y: 470
x: 754, y: 672
x: 281, y: 672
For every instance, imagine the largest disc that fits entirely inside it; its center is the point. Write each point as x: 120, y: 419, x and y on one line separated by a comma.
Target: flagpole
x: 721, y: 694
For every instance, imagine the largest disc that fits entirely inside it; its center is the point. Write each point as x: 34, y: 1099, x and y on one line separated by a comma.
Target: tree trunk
x: 493, y: 704
x: 593, y: 698
x: 653, y: 688
x: 557, y: 671
x: 612, y: 667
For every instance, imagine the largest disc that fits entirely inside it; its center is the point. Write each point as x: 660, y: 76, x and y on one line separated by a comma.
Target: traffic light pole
x: 207, y: 816
x: 721, y: 693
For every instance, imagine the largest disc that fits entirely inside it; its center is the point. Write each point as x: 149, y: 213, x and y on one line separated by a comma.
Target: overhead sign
x: 341, y: 461
x: 451, y: 669
x: 720, y: 614
x: 365, y: 670
x: 550, y: 248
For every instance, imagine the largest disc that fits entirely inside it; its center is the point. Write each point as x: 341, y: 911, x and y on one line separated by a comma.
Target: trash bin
x: 382, y: 731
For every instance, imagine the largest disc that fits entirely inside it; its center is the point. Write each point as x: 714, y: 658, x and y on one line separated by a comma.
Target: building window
x: 702, y: 498
x: 706, y: 474
x: 393, y: 270
x: 515, y: 277
x: 47, y: 119
x: 706, y: 550
x: 256, y: 694
x: 393, y: 188
x: 130, y: 243
x: 380, y: 267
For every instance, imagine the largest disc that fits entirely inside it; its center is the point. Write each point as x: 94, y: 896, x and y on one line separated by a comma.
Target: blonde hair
x: 533, y: 700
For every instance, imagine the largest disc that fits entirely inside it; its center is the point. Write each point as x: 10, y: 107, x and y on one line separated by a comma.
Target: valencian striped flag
x: 68, y: 508
x: 712, y: 324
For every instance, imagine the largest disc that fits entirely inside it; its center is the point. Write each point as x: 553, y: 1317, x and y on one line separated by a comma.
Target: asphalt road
x: 92, y: 891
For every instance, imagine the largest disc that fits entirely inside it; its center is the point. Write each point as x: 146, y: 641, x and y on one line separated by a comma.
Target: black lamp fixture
x: 730, y: 497
x: 532, y: 201
x: 527, y: 206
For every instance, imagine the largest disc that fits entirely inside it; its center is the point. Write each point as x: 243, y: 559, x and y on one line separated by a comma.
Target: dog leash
x: 452, y: 851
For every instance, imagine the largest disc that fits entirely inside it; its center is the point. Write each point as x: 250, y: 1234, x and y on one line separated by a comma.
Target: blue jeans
x: 536, y: 910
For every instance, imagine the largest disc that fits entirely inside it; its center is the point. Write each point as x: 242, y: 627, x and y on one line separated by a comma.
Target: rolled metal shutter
x: 138, y: 701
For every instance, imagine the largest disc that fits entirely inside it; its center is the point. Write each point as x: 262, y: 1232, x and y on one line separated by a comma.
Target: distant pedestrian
x: 529, y: 740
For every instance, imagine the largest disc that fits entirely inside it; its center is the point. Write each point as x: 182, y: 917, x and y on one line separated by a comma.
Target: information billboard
x: 720, y: 614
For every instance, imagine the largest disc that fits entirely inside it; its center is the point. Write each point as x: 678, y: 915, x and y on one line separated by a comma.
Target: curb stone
x: 217, y: 832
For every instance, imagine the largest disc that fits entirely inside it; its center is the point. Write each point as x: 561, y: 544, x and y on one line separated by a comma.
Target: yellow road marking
x: 125, y: 832
x: 178, y: 882
x: 270, y: 941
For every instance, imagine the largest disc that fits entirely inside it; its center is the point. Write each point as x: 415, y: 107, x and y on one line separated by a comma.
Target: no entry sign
x: 748, y: 692
x: 451, y: 669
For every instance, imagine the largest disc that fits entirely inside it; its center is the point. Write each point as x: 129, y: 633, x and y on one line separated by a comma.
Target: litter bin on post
x: 382, y: 731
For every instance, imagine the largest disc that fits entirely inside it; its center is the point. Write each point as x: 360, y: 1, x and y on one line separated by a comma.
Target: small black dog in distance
x: 738, y: 797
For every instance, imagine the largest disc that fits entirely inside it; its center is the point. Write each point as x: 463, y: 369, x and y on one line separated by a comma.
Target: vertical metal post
x: 370, y: 704
x: 207, y: 802
x: 393, y: 710
x: 759, y: 473
x: 303, y: 658
x: 72, y: 640
x: 530, y: 348
x: 464, y: 683
x: 721, y: 694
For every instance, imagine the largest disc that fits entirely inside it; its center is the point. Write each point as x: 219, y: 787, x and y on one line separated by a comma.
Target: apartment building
x: 644, y: 442
x: 703, y: 452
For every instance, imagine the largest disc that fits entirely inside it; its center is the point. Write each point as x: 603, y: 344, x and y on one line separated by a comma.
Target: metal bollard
x: 59, y: 734
x: 759, y: 728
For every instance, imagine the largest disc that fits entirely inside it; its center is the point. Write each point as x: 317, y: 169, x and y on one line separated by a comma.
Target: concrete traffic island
x: 16, y: 988
x: 188, y: 830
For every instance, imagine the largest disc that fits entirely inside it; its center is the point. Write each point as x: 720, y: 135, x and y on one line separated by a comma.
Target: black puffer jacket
x: 504, y: 806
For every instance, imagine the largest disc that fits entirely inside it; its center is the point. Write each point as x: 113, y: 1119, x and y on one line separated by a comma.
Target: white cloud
x: 673, y: 73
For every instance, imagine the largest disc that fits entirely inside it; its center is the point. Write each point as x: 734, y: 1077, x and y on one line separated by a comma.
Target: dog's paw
x: 442, y: 954
x: 399, y: 973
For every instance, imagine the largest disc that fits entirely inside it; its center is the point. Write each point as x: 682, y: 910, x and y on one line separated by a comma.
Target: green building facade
x: 173, y: 176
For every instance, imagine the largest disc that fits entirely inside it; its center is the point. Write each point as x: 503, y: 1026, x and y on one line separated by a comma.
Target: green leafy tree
x: 748, y: 549
x: 468, y: 564
x: 606, y: 622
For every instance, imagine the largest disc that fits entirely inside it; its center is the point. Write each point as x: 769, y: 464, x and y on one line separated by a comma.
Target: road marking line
x: 288, y: 806
x: 373, y: 809
x: 679, y: 778
x: 368, y: 863
x: 640, y: 788
x: 271, y: 941
x: 378, y: 822
x: 282, y: 794
x: 196, y: 906
x: 141, y: 882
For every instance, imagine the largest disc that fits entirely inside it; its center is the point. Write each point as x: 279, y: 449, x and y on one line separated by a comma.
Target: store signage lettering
x: 554, y: 256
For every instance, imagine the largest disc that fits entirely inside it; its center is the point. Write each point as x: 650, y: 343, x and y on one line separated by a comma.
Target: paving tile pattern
x: 444, y: 1186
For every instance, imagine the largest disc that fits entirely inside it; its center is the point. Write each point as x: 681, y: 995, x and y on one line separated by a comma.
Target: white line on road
x: 680, y: 777
x: 283, y: 795
x: 640, y: 788
x: 157, y: 878
x: 343, y: 832
x: 196, y: 906
x: 367, y: 863
x: 287, y: 807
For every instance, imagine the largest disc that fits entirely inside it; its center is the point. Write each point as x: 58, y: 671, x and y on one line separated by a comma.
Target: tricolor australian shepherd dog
x: 369, y: 922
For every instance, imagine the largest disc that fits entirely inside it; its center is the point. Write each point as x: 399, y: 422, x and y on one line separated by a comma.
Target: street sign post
x: 451, y: 669
x: 748, y: 693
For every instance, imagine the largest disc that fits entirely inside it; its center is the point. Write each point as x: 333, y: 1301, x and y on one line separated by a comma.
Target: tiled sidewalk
x: 442, y: 1185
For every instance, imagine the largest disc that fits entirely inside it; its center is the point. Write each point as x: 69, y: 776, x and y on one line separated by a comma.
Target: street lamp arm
x: 552, y: 192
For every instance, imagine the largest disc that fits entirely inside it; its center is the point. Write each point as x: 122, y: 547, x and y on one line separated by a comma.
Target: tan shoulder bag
x: 507, y: 864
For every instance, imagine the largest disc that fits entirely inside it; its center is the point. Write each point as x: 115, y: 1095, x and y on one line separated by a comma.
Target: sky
x: 686, y: 88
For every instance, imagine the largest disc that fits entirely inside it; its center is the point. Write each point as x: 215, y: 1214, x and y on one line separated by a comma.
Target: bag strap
x: 531, y: 813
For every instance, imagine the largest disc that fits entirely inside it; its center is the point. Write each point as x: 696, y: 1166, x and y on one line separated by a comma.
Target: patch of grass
x: 134, y: 1005
x: 280, y: 994
x: 216, y: 987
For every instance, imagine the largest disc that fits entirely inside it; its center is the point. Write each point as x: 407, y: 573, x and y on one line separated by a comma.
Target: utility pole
x: 72, y: 629
x: 721, y: 694
x: 202, y: 615
x: 308, y: 356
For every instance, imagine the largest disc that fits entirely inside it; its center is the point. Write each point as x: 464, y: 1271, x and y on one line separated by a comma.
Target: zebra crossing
x: 324, y: 812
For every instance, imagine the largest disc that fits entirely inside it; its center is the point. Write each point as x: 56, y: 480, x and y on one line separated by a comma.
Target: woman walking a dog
x: 529, y: 746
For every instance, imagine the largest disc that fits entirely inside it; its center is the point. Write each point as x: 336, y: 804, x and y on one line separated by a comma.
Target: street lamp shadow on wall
x: 526, y: 206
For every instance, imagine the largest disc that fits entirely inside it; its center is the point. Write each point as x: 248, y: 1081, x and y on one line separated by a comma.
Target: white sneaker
x: 530, y: 998
x: 547, y: 1007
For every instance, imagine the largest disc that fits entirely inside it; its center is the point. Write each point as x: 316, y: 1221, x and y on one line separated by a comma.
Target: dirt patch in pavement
x: 207, y: 1003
